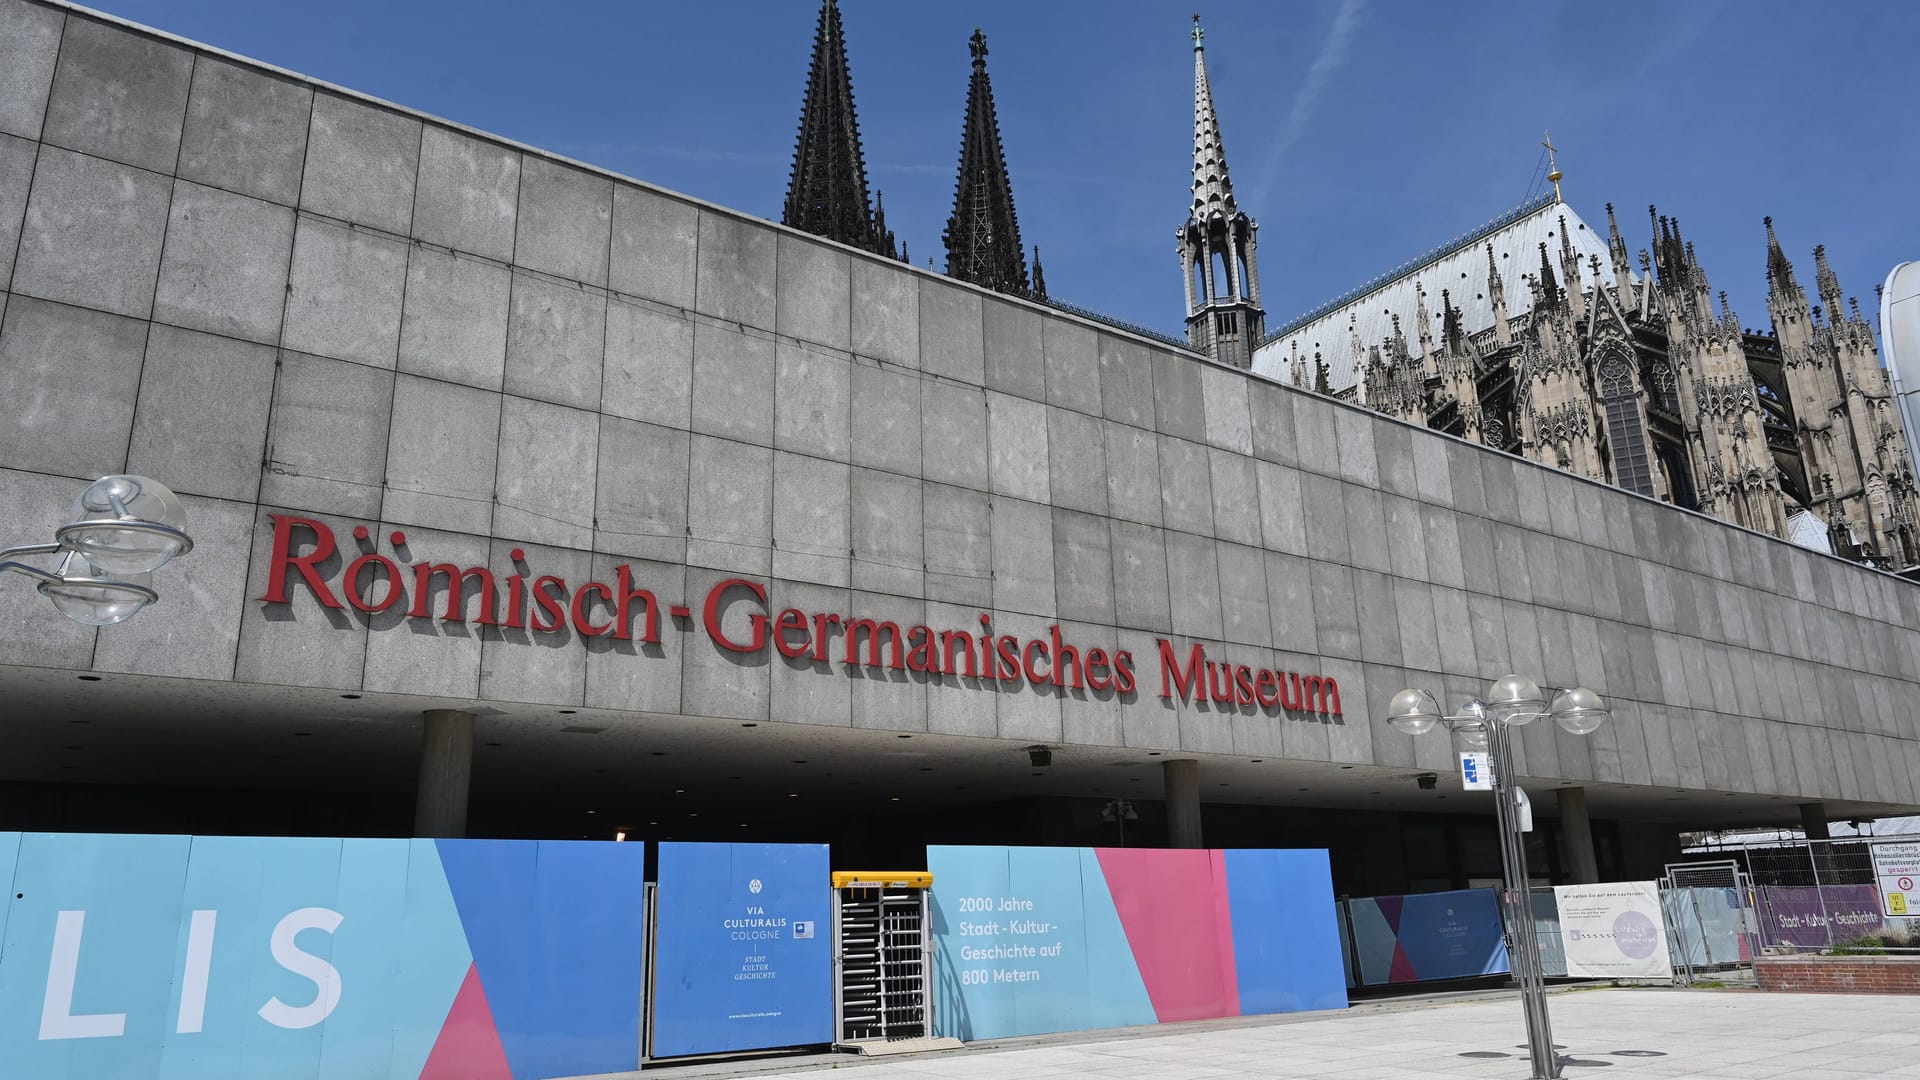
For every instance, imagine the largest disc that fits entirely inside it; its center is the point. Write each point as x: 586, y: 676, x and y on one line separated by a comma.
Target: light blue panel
x: 9, y: 854
x: 373, y: 949
x: 1286, y: 931
x: 129, y: 889
x: 428, y: 973
x: 1050, y: 993
x: 1117, y: 996
x: 967, y: 1004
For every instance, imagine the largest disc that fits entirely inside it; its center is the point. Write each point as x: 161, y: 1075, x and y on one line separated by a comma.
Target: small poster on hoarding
x: 1896, y: 868
x: 1614, y: 930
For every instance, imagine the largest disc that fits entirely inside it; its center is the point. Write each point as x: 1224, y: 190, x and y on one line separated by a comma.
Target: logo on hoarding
x: 754, y: 886
x: 511, y: 596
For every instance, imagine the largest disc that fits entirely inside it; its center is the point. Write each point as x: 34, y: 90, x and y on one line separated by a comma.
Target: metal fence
x: 1808, y: 896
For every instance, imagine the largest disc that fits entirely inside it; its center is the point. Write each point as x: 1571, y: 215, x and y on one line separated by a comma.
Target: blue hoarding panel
x: 1286, y: 931
x: 743, y: 958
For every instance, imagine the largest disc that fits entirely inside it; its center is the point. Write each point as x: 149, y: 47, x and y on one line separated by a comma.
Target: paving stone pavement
x: 1629, y: 1033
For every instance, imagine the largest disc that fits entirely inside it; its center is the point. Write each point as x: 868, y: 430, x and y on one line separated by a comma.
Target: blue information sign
x: 743, y: 958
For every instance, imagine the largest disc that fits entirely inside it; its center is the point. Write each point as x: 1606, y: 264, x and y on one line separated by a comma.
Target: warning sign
x: 1897, y: 870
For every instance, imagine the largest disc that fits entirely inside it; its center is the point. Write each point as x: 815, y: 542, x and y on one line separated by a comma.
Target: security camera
x: 1427, y: 781
x: 1040, y: 756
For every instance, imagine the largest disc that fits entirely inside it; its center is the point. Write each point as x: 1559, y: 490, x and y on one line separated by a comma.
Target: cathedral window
x: 1632, y: 465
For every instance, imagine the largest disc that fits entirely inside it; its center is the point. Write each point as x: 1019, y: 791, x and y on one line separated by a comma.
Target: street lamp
x: 1512, y: 701
x: 123, y: 529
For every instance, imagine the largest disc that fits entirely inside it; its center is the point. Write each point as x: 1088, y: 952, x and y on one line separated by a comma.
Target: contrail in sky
x: 1333, y: 53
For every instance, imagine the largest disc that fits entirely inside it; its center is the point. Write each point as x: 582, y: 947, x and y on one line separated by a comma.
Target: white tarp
x: 1614, y: 931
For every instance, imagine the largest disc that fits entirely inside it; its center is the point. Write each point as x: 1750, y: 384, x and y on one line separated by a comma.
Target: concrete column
x: 1813, y: 820
x: 1576, y: 830
x: 446, y: 771
x: 1182, y: 778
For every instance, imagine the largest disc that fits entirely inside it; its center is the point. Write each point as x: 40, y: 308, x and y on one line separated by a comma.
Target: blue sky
x: 1359, y: 132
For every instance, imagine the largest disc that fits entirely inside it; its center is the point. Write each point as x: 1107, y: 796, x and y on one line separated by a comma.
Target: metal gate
x: 882, y: 958
x: 1710, y: 916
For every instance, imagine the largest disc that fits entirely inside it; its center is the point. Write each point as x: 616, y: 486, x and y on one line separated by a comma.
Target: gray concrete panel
x: 1017, y: 453
x: 1453, y: 623
x: 1290, y: 603
x: 732, y: 384
x: 1335, y: 615
x: 302, y: 642
x: 655, y: 246
x: 632, y: 675
x: 1512, y: 574
x: 1076, y: 461
x: 1523, y: 637
x: 1244, y: 617
x: 1314, y: 437
x: 952, y: 333
x: 344, y: 293
x: 431, y: 657
x: 1193, y: 585
x: 1283, y: 524
x: 1432, y: 468
x: 886, y: 419
x: 1503, y: 493
x: 813, y: 291
x: 1556, y: 649
x: 1126, y: 381
x: 1366, y: 528
x: 734, y: 280
x: 1179, y: 403
x: 812, y: 401
x: 1015, y: 362
x: 1140, y: 595
x: 1326, y: 517
x: 543, y: 487
x: 1072, y: 355
x: 191, y: 632
x: 1024, y: 711
x: 468, y: 195
x: 173, y: 434
x: 1151, y: 721
x: 361, y: 164
x: 887, y: 531
x: 556, y: 342
x: 1393, y: 448
x: 1437, y: 529
x: 810, y: 520
x: 889, y: 700
x: 119, y: 95
x: 640, y: 499
x: 649, y: 365
x: 1272, y: 423
x: 1023, y: 577
x: 453, y: 325
x: 1478, y: 571
x: 1083, y: 566
x: 33, y: 505
x: 246, y: 131
x: 1186, y: 486
x: 1236, y: 498
x: 1223, y: 393
x: 886, y: 312
x: 1390, y: 747
x: 440, y: 460
x: 528, y: 665
x: 29, y: 47
x: 1349, y: 737
x: 953, y: 434
x: 225, y: 265
x: 1467, y: 478
x: 16, y: 177
x: 1091, y: 717
x: 564, y: 222
x: 46, y: 349
x: 1359, y: 461
x: 1546, y: 578
x: 1420, y: 631
x: 804, y: 689
x: 730, y: 506
x: 1486, y: 622
x: 959, y: 545
x: 1530, y: 488
x: 92, y: 234
x: 1379, y: 618
x: 1133, y: 474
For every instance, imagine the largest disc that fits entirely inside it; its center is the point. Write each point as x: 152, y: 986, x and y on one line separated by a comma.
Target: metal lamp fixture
x: 1512, y: 701
x: 123, y: 529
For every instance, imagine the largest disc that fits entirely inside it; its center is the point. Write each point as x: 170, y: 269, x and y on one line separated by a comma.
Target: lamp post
x: 123, y: 529
x: 1512, y: 701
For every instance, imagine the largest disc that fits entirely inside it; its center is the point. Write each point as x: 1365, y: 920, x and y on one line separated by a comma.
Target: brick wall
x: 1840, y: 974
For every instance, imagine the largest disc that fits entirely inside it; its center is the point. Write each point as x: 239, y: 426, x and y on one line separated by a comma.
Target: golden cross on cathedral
x: 1553, y: 167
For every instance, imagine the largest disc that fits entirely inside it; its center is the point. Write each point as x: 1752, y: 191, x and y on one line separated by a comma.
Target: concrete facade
x: 281, y: 298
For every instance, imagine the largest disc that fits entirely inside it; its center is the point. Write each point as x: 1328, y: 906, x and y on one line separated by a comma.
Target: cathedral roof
x: 1459, y: 266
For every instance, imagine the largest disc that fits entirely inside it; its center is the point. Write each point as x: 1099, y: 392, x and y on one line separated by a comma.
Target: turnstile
x: 883, y: 959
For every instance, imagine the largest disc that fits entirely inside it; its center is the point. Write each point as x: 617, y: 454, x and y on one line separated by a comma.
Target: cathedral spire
x: 983, y: 235
x: 1828, y: 283
x: 1218, y: 242
x: 827, y: 193
x: 1779, y: 270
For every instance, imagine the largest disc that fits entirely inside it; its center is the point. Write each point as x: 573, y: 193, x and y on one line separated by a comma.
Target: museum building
x: 533, y: 501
